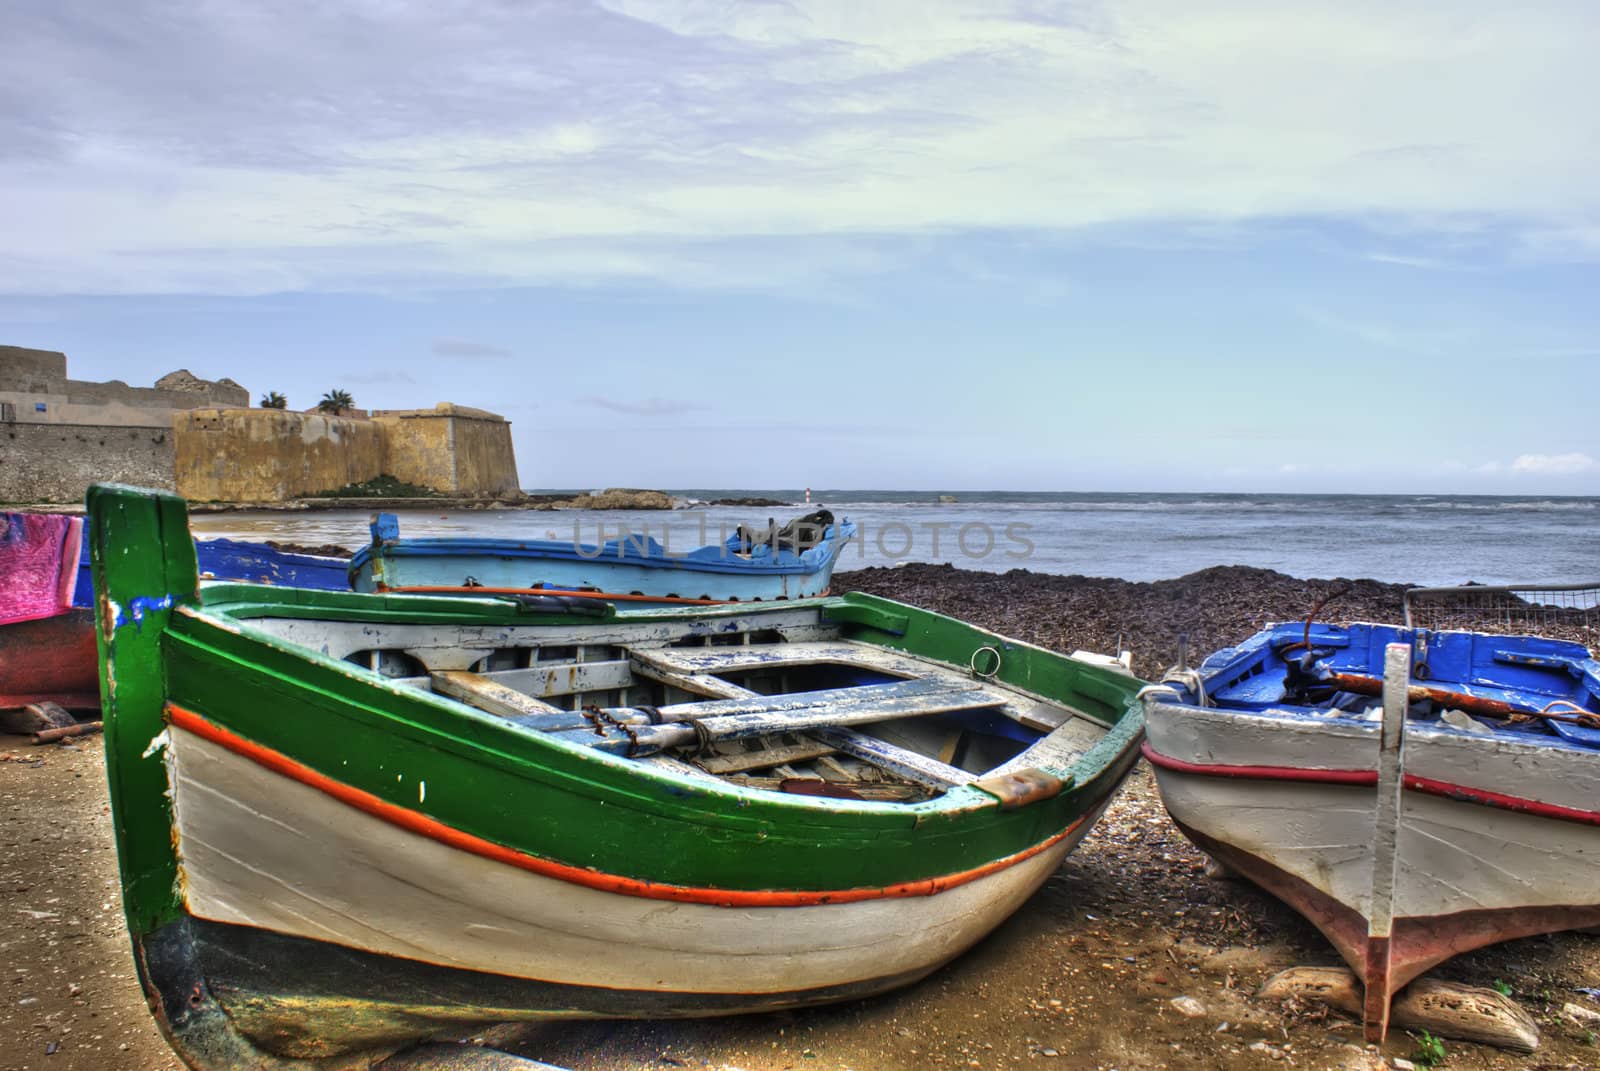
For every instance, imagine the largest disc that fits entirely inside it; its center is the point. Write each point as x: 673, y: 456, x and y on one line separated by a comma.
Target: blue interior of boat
x: 1494, y: 679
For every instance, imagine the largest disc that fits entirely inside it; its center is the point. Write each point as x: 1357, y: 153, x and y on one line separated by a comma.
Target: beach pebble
x: 1188, y: 1006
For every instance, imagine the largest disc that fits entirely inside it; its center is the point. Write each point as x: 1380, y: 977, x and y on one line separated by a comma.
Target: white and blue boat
x: 1414, y: 793
x: 763, y: 565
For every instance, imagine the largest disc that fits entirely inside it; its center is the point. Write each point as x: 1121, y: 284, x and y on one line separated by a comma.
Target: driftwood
x: 1468, y: 1013
x: 51, y: 736
x: 35, y: 717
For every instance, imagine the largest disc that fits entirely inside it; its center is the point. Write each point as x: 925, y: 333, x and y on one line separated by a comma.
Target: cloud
x: 1406, y: 338
x: 1431, y: 263
x: 378, y: 377
x: 645, y: 407
x: 456, y: 347
x: 159, y: 147
x: 1554, y: 464
x: 1565, y: 351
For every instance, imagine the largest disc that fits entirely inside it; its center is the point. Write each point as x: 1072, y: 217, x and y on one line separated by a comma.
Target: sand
x: 1082, y: 977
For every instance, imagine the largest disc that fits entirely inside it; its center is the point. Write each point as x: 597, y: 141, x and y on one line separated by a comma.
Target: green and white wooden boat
x: 350, y: 823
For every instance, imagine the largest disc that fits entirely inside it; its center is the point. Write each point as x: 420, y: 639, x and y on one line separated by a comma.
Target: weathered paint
x: 524, y: 795
x: 1428, y: 785
x: 413, y: 821
x: 235, y: 560
x: 1385, y: 840
x: 638, y: 569
x: 1495, y: 833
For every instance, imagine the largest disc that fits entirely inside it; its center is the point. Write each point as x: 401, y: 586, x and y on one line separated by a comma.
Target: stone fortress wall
x: 201, y: 439
x: 58, y: 435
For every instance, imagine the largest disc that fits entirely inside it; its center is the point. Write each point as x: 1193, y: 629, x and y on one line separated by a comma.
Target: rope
x: 1188, y: 678
x: 704, y: 741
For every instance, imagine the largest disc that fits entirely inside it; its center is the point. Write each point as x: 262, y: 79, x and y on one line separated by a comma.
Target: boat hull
x: 322, y: 860
x: 620, y: 581
x: 321, y: 869
x: 1292, y: 809
x: 50, y: 659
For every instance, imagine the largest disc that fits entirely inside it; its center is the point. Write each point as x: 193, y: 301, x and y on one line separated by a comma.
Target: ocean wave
x: 1528, y: 506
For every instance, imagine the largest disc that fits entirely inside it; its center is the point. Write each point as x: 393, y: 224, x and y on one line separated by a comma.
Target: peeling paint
x: 141, y: 605
x: 158, y: 743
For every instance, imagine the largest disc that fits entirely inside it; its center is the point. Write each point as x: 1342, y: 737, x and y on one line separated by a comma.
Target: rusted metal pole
x: 1472, y: 704
x: 51, y: 736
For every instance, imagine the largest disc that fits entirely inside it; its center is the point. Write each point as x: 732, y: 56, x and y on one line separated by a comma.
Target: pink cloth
x: 38, y: 564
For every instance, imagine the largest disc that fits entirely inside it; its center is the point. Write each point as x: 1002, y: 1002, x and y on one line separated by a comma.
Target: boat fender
x: 560, y: 604
x: 1023, y: 787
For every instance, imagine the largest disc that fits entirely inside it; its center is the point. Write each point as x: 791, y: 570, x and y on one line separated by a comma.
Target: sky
x: 1163, y: 245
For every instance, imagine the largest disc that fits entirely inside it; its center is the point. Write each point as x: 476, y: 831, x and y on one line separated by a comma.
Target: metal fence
x: 1560, y: 611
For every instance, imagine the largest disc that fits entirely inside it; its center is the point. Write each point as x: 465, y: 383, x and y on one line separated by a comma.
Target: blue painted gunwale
x: 1528, y: 672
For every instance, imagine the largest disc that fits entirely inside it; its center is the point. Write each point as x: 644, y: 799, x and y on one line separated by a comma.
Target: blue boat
x: 252, y: 563
x: 762, y: 565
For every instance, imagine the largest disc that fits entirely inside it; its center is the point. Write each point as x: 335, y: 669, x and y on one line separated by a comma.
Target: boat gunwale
x: 1435, y: 732
x: 1356, y: 777
x: 233, y: 619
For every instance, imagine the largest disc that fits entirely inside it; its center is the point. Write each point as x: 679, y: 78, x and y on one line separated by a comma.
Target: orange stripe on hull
x: 423, y: 825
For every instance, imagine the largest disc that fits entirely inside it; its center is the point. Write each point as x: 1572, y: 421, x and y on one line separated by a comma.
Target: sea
x: 1416, y: 539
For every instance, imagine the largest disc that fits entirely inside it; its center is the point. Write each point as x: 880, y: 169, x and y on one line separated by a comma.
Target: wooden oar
x: 1472, y: 704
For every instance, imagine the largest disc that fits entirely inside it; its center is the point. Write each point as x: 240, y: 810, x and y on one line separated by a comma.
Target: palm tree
x: 336, y: 402
x: 273, y: 400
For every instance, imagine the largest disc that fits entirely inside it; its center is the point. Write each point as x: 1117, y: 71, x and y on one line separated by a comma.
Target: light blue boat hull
x: 638, y: 569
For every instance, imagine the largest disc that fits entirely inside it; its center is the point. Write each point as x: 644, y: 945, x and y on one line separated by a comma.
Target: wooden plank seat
x: 546, y: 679
x: 902, y: 762
x: 493, y: 697
x: 1058, y: 750
x: 710, y: 660
x: 686, y: 724
x: 648, y: 663
x: 695, y: 669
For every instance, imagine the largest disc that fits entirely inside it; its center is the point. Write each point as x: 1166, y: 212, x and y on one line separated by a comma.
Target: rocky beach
x: 1090, y: 973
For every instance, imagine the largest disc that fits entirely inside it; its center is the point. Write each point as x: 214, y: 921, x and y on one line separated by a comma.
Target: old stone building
x: 59, y: 435
x: 266, y: 455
